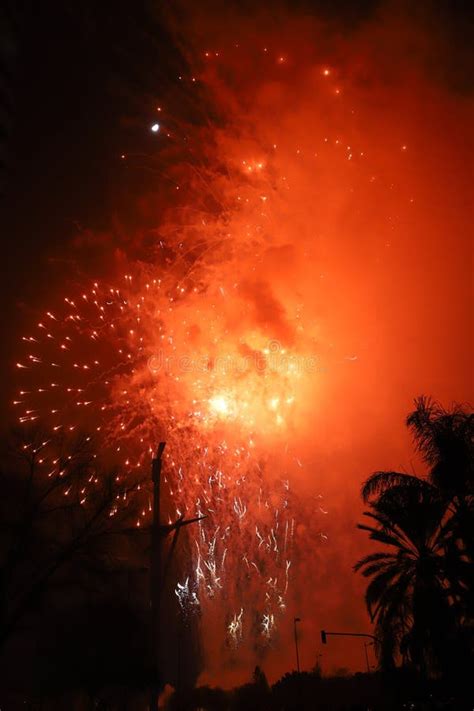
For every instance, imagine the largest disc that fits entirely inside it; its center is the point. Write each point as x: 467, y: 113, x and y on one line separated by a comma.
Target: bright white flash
x: 219, y: 404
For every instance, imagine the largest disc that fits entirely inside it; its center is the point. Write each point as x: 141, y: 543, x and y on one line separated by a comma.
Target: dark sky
x: 73, y: 72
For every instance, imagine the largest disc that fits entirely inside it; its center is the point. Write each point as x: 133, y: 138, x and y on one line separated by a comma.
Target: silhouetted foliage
x: 305, y: 691
x: 420, y: 595
x: 62, y: 519
x: 259, y: 679
x: 97, y: 647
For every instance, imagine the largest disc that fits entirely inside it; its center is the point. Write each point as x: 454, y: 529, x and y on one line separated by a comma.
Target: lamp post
x: 295, y: 620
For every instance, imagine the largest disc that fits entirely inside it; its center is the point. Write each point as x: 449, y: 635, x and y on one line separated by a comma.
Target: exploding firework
x: 212, y: 344
x: 137, y: 364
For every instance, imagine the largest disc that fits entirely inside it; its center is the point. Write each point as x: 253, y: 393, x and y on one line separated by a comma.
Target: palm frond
x: 389, y: 531
x: 372, y: 558
x: 380, y: 481
x: 369, y: 569
x: 382, y: 587
x: 383, y: 537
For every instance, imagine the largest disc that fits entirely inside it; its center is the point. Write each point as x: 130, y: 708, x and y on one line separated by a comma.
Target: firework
x: 210, y: 345
x: 117, y: 360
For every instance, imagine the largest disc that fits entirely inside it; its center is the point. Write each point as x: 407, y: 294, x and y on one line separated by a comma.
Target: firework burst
x: 210, y: 344
x: 132, y: 364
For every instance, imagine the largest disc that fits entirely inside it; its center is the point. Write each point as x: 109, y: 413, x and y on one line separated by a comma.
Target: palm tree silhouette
x: 407, y: 590
x: 419, y: 595
x: 445, y: 440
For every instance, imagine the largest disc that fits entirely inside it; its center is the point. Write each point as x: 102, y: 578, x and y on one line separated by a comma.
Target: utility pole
x: 295, y: 620
x: 155, y: 578
x: 158, y: 573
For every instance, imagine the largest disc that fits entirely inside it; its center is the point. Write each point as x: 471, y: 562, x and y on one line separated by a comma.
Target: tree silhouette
x: 260, y: 679
x: 59, y: 511
x: 420, y: 593
x: 407, y: 589
x: 445, y: 441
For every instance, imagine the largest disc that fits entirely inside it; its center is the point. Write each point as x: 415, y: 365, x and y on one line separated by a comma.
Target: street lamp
x: 295, y: 620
